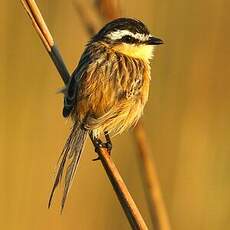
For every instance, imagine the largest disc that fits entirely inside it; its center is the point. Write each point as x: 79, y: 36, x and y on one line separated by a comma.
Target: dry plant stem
x: 86, y: 13
x: 108, y: 9
x: 153, y: 193
x: 38, y: 22
x: 129, y: 207
x: 46, y: 37
x: 135, y: 219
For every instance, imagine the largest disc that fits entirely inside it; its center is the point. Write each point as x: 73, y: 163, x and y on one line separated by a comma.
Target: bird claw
x: 96, y: 159
x: 108, y: 146
x: 99, y: 144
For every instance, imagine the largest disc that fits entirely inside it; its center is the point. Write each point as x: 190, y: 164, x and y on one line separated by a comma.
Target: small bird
x: 107, y: 91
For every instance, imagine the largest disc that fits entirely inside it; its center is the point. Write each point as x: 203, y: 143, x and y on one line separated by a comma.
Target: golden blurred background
x: 187, y: 120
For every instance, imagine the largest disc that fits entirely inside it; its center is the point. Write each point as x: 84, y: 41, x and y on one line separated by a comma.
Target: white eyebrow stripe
x: 118, y: 34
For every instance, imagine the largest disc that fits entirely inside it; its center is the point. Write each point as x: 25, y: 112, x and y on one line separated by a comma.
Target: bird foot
x: 99, y: 144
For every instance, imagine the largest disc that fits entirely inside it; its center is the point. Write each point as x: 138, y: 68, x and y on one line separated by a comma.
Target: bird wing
x: 71, y: 89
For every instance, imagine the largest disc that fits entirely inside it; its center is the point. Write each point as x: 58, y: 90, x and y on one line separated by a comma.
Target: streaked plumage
x: 109, y: 88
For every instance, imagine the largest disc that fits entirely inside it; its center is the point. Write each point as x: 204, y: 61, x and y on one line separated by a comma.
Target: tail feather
x: 71, y: 153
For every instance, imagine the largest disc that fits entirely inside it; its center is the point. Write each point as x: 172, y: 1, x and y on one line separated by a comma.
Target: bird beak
x: 154, y: 41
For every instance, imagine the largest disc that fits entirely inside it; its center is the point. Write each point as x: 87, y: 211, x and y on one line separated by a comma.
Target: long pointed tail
x: 70, y: 158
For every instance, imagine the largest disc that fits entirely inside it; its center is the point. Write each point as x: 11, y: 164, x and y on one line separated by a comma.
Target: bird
x: 107, y: 91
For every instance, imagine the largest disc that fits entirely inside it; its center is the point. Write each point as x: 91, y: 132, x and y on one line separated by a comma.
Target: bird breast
x: 112, y: 92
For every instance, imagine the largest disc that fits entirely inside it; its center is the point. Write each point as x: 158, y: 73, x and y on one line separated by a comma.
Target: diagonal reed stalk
x: 132, y: 213
x: 153, y: 192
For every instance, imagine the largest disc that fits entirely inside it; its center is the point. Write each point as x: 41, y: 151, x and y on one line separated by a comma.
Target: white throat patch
x: 118, y: 34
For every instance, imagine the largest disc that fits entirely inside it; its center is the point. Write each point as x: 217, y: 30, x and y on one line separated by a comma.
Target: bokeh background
x: 187, y: 120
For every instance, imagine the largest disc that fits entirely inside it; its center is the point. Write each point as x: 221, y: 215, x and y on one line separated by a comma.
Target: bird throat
x: 144, y: 52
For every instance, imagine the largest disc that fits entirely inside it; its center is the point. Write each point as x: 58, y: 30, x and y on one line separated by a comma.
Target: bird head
x: 129, y: 37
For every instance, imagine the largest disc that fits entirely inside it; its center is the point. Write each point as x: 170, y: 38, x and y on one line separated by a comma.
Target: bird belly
x: 123, y: 113
x: 127, y: 115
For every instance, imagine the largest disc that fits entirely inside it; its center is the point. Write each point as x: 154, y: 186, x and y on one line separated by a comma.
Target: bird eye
x: 128, y: 39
